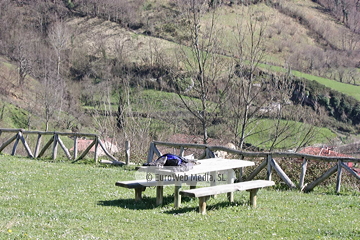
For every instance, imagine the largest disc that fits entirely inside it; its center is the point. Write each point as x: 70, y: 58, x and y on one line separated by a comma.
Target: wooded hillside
x: 222, y: 69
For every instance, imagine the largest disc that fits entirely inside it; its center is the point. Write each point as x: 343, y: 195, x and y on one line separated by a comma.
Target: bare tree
x: 59, y: 37
x: 248, y: 88
x: 203, y: 65
x: 48, y: 95
x: 22, y: 43
x: 121, y: 81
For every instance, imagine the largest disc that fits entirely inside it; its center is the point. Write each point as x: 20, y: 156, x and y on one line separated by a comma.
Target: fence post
x: 269, y: 167
x: 302, y: 174
x: 26, y: 146
x: 96, y: 154
x: 75, y: 147
x: 150, y: 153
x: 15, y: 144
x: 282, y: 174
x: 37, y: 147
x: 55, y: 146
x: 181, y: 153
x: 338, y: 180
x: 127, y: 152
x: 209, y: 153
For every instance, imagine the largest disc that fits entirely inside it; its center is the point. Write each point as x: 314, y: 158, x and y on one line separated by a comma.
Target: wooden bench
x: 204, y: 193
x: 140, y: 186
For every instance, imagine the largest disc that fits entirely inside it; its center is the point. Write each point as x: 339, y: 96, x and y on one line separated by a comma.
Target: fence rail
x: 270, y: 164
x: 55, y: 141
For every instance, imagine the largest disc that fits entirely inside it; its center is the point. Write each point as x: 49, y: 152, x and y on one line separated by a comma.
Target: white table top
x: 218, y: 164
x: 210, y: 165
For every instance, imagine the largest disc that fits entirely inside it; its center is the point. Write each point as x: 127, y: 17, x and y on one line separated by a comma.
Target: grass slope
x: 43, y: 200
x: 139, y: 46
x: 345, y: 88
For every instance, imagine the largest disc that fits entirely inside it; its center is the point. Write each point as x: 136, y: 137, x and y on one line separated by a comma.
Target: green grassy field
x: 293, y: 135
x: 347, y: 89
x: 47, y: 200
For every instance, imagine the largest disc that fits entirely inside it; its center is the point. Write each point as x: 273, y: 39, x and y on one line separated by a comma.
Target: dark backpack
x: 179, y: 163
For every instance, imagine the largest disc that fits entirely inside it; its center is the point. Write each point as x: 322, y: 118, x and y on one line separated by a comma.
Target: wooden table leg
x: 177, y: 196
x: 159, y: 195
x: 138, y: 193
x: 214, y: 178
x: 230, y: 180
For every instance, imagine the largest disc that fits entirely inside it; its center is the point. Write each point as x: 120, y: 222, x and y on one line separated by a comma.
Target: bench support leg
x: 138, y: 193
x: 159, y: 195
x: 253, y: 193
x: 177, y: 197
x: 213, y: 183
x: 202, y: 204
x: 230, y: 180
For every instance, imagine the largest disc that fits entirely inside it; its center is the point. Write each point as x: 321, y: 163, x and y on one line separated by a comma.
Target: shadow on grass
x: 145, y: 203
x: 209, y: 207
x: 150, y: 203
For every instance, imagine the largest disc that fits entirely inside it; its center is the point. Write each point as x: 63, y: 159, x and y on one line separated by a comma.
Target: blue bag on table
x: 179, y: 163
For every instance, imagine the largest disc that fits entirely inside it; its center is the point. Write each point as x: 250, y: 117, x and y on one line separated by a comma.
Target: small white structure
x: 223, y: 154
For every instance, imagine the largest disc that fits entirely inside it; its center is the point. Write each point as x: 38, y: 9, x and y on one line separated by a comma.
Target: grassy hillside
x: 134, y: 59
x: 347, y: 89
x: 136, y: 45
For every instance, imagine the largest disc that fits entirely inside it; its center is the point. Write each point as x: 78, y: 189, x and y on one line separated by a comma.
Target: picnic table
x: 218, y: 171
x: 206, y: 170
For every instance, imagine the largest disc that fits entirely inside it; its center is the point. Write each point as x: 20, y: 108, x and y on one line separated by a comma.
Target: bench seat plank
x: 241, y: 186
x: 204, y: 193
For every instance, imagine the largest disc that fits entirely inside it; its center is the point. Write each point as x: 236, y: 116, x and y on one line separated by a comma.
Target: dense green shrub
x: 339, y: 106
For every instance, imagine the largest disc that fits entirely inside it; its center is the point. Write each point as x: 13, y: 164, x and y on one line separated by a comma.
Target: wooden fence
x: 55, y: 141
x: 270, y: 163
x: 208, y: 152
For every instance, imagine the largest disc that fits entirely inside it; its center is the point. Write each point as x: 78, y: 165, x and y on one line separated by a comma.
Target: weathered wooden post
x: 181, y: 153
x: 241, y: 171
x: 8, y: 142
x: 151, y: 152
x: 47, y: 145
x: 269, y: 167
x: 302, y: 174
x: 75, y: 147
x: 16, y: 144
x: 338, y: 180
x: 209, y: 153
x: 96, y: 154
x: 127, y: 152
x: 282, y: 174
x: 55, y: 146
x: 322, y: 178
x: 37, y: 147
x: 26, y: 146
x: 257, y: 170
